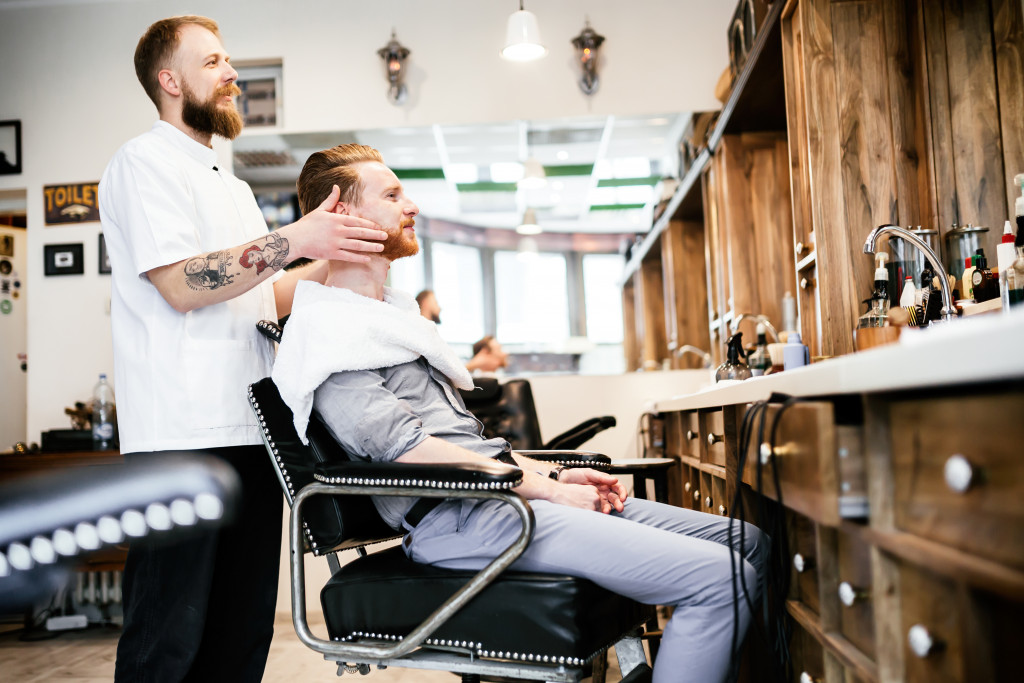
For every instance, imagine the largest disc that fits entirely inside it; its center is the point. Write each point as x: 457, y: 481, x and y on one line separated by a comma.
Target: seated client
x: 384, y: 382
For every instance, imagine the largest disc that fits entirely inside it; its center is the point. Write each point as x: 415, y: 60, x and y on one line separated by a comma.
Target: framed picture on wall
x: 63, y: 259
x: 104, y: 257
x: 10, y: 147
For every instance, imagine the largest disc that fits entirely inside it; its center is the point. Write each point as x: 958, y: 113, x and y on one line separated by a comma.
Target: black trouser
x: 203, y: 608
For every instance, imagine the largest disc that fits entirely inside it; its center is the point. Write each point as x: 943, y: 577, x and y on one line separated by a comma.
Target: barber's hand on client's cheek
x: 609, y: 488
x: 323, y: 234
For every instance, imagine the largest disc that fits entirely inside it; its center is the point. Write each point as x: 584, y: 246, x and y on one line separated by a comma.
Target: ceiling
x: 602, y: 174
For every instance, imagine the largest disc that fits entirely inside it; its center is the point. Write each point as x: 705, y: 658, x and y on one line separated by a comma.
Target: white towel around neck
x: 335, y: 330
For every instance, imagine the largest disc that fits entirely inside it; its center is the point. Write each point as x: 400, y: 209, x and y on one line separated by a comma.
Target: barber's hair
x: 422, y: 296
x: 156, y: 48
x: 335, y: 166
x: 482, y: 344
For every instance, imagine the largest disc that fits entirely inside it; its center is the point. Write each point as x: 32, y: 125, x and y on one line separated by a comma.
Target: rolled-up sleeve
x: 366, y: 418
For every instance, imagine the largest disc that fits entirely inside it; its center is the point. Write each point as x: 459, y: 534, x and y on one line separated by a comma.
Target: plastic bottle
x: 908, y: 297
x: 795, y: 354
x: 760, y: 360
x: 1018, y: 180
x: 788, y: 316
x: 102, y: 415
x: 733, y: 367
x: 967, y: 288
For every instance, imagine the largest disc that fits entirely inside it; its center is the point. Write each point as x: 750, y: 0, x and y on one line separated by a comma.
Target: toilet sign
x: 77, y: 203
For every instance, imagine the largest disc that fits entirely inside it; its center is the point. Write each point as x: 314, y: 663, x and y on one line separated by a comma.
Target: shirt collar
x: 197, y: 150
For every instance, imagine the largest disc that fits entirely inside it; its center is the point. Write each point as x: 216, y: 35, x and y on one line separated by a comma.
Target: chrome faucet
x: 759, y: 318
x: 687, y: 348
x: 948, y: 309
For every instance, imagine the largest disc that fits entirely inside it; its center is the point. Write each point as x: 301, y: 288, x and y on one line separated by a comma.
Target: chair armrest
x: 491, y: 475
x: 581, y: 433
x: 566, y: 458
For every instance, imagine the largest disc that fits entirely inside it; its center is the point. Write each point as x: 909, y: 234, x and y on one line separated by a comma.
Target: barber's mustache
x: 407, y: 223
x: 230, y: 89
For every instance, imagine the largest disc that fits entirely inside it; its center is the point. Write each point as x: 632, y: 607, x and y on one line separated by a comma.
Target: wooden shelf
x: 807, y: 262
x: 759, y: 107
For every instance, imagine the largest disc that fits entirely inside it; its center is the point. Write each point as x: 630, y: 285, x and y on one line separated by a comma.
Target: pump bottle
x: 733, y: 367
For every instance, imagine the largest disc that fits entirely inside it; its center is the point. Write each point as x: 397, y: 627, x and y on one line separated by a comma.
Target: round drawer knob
x: 766, y: 453
x: 848, y: 595
x: 696, y: 496
x: 801, y: 563
x: 808, y: 678
x: 691, y: 435
x: 806, y: 283
x: 714, y: 438
x: 959, y: 473
x: 687, y: 487
x: 721, y: 509
x: 707, y: 501
x: 921, y: 641
x: 800, y: 248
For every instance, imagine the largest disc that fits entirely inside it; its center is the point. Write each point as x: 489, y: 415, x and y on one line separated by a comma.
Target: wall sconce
x: 394, y: 55
x: 587, y: 44
x: 522, y: 37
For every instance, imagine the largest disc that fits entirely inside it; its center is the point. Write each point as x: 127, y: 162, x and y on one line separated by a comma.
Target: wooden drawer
x: 853, y: 591
x: 690, y: 433
x: 807, y: 655
x: 805, y: 458
x: 803, y: 584
x: 712, y: 435
x: 691, y: 486
x: 930, y: 625
x: 958, y: 472
x: 712, y: 497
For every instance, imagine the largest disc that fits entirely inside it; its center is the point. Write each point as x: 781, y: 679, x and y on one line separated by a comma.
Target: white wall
x: 67, y: 75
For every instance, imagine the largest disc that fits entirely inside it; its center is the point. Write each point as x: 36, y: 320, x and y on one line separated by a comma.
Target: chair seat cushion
x: 538, y: 617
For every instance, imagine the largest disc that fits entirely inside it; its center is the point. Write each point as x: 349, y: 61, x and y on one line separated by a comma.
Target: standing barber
x: 194, y: 269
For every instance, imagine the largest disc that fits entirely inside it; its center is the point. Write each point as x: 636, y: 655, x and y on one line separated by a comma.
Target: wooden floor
x: 87, y: 656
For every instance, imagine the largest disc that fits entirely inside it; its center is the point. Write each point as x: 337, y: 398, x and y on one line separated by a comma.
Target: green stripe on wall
x: 419, y: 173
x: 629, y: 182
x: 568, y: 170
x: 616, y: 207
x: 486, y: 187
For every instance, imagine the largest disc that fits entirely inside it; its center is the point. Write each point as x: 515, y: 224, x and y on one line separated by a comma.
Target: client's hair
x: 325, y: 169
x: 482, y: 344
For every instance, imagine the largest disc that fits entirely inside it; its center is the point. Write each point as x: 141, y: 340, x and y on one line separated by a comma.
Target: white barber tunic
x: 181, y: 378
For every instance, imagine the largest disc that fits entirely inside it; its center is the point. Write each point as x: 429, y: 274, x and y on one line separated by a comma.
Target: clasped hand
x: 592, y: 490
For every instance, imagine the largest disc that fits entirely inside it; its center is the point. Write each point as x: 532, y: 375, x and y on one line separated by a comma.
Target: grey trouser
x: 654, y: 553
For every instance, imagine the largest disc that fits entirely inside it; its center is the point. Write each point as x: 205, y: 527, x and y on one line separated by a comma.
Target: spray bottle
x: 733, y: 367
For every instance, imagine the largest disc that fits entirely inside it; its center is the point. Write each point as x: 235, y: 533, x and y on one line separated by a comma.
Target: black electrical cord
x: 774, y: 632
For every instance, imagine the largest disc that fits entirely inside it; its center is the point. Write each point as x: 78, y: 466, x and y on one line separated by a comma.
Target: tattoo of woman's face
x: 271, y: 255
x: 209, y: 271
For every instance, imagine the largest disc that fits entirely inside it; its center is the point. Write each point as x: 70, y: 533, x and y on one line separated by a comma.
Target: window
x: 532, y: 299
x: 603, y: 297
x: 407, y: 274
x: 459, y: 288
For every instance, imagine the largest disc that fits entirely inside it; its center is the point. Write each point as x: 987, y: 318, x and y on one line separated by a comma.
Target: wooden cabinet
x: 900, y: 565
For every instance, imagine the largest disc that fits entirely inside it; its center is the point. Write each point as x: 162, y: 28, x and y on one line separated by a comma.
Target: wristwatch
x: 553, y: 474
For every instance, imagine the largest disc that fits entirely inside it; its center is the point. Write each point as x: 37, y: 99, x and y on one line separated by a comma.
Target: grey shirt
x: 381, y: 414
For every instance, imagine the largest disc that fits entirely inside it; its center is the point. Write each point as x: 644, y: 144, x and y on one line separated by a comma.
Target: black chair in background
x: 507, y: 410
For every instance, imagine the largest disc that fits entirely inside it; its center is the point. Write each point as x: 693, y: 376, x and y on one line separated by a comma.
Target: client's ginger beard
x: 399, y: 243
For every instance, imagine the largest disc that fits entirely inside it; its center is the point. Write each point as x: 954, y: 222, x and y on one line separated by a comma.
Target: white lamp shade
x: 529, y: 225
x: 533, y: 175
x: 522, y: 39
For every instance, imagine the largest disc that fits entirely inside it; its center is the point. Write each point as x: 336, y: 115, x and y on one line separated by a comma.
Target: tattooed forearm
x: 273, y: 254
x: 209, y: 271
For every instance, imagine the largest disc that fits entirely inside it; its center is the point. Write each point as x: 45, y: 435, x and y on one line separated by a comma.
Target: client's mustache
x: 407, y: 223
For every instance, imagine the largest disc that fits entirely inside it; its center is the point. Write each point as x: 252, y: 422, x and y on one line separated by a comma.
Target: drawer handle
x: 715, y: 438
x: 959, y: 473
x: 687, y: 487
x: 721, y: 509
x: 808, y: 678
x: 848, y: 594
x: 707, y: 501
x: 801, y: 563
x: 696, y: 496
x: 921, y: 641
x: 691, y: 435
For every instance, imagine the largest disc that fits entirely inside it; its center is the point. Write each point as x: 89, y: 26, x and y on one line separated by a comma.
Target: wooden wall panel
x: 940, y: 150
x: 736, y: 221
x: 975, y: 117
x: 651, y: 305
x: 796, y: 127
x: 682, y: 259
x: 772, y: 226
x: 828, y: 203
x: 713, y: 260
x: 868, y: 169
x: 1008, y: 38
x: 630, y: 326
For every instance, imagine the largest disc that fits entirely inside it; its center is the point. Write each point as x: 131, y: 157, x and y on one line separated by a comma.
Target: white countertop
x: 987, y: 348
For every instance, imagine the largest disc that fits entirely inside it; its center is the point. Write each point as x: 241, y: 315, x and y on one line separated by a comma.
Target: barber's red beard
x: 210, y: 117
x: 400, y: 243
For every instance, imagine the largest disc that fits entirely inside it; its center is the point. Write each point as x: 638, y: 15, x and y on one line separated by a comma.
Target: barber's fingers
x: 331, y: 201
x: 354, y: 226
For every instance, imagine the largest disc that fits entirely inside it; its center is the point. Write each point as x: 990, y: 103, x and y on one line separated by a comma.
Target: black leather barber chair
x: 49, y: 520
x: 507, y: 410
x: 382, y: 609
